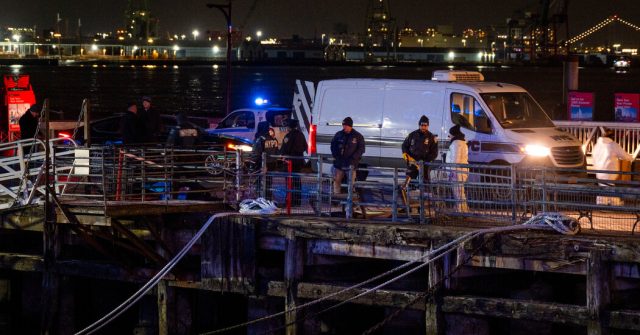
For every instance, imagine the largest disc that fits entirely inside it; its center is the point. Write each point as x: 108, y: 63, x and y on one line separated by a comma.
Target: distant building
x: 140, y: 25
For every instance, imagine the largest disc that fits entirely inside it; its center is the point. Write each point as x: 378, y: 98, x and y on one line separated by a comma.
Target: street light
x: 226, y: 11
x: 259, y: 34
x: 195, y: 34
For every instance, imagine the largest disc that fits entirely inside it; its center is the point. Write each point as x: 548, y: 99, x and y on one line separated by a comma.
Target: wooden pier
x: 250, y: 267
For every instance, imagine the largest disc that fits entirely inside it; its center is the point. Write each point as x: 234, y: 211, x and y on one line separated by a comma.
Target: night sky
x: 282, y: 18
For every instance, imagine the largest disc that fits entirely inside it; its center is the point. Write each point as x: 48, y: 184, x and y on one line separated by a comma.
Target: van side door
x: 403, y: 108
x: 363, y: 105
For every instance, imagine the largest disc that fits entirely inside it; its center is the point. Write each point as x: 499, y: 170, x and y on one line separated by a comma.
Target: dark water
x: 200, y: 90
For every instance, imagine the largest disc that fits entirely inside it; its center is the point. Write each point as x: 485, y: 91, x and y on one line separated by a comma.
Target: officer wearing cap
x: 347, y: 147
x: 420, y: 145
x: 151, y: 121
x: 294, y: 145
x: 130, y: 126
x: 29, y: 123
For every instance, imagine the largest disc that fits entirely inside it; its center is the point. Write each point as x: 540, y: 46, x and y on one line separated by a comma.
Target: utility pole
x: 226, y: 11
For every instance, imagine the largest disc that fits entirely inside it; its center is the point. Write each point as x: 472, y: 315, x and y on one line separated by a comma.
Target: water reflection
x: 201, y: 90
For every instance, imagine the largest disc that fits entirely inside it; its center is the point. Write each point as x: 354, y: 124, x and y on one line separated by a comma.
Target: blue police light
x: 261, y: 101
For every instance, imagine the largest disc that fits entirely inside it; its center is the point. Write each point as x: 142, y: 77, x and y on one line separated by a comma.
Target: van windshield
x: 516, y: 110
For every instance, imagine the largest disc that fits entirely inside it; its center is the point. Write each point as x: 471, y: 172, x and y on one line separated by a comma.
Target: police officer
x: 294, y: 144
x: 29, y: 123
x: 347, y: 147
x: 265, y: 142
x: 420, y: 145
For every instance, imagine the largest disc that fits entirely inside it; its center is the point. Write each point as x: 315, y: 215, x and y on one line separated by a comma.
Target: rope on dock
x: 544, y: 221
x: 152, y: 282
x: 248, y: 207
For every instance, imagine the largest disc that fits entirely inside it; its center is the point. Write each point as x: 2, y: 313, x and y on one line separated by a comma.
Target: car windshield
x: 516, y: 110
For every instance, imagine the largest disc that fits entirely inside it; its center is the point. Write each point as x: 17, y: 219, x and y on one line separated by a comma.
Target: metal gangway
x: 22, y: 169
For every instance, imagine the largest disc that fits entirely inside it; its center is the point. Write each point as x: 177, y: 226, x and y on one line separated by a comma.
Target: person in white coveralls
x: 606, y: 155
x: 458, y: 154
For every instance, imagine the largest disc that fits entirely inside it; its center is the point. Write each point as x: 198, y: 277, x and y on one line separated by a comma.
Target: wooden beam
x: 293, y: 267
x: 537, y: 311
x: 518, y: 263
x: 516, y: 309
x: 433, y: 312
x: 367, y: 250
x: 382, y: 298
x: 599, y: 279
x: 162, y: 297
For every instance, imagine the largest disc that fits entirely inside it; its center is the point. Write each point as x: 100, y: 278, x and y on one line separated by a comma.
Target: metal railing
x: 587, y: 132
x: 442, y: 193
x: 143, y: 174
x: 22, y: 169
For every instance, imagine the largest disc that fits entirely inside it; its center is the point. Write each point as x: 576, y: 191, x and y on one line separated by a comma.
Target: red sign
x: 18, y: 97
x: 626, y: 107
x: 580, y: 106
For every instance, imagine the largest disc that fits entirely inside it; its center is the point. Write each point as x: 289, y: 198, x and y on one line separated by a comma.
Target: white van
x: 503, y: 124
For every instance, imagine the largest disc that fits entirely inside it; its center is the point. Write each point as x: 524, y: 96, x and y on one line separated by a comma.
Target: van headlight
x: 536, y: 150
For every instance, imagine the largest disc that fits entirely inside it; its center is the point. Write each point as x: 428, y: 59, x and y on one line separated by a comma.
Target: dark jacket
x: 152, y: 124
x: 264, y: 143
x: 421, y: 146
x: 294, y: 144
x: 347, y: 149
x: 131, y: 130
x: 28, y: 125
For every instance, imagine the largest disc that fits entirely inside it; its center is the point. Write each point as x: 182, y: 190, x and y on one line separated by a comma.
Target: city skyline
x: 307, y: 18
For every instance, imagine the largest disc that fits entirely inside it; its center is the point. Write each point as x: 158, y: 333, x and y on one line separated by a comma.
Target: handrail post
x: 544, y: 189
x: 421, y: 185
x: 143, y: 174
x: 394, y: 205
x: 513, y: 193
x: 263, y: 176
x: 104, y: 188
x: 319, y: 189
x: 224, y: 175
x: 349, y: 210
x: 238, y: 165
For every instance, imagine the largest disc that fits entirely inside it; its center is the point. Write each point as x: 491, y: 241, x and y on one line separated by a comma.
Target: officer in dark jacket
x: 294, y: 144
x: 29, y: 123
x: 265, y: 142
x: 420, y: 145
x: 347, y: 147
x: 151, y: 120
x: 131, y: 128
